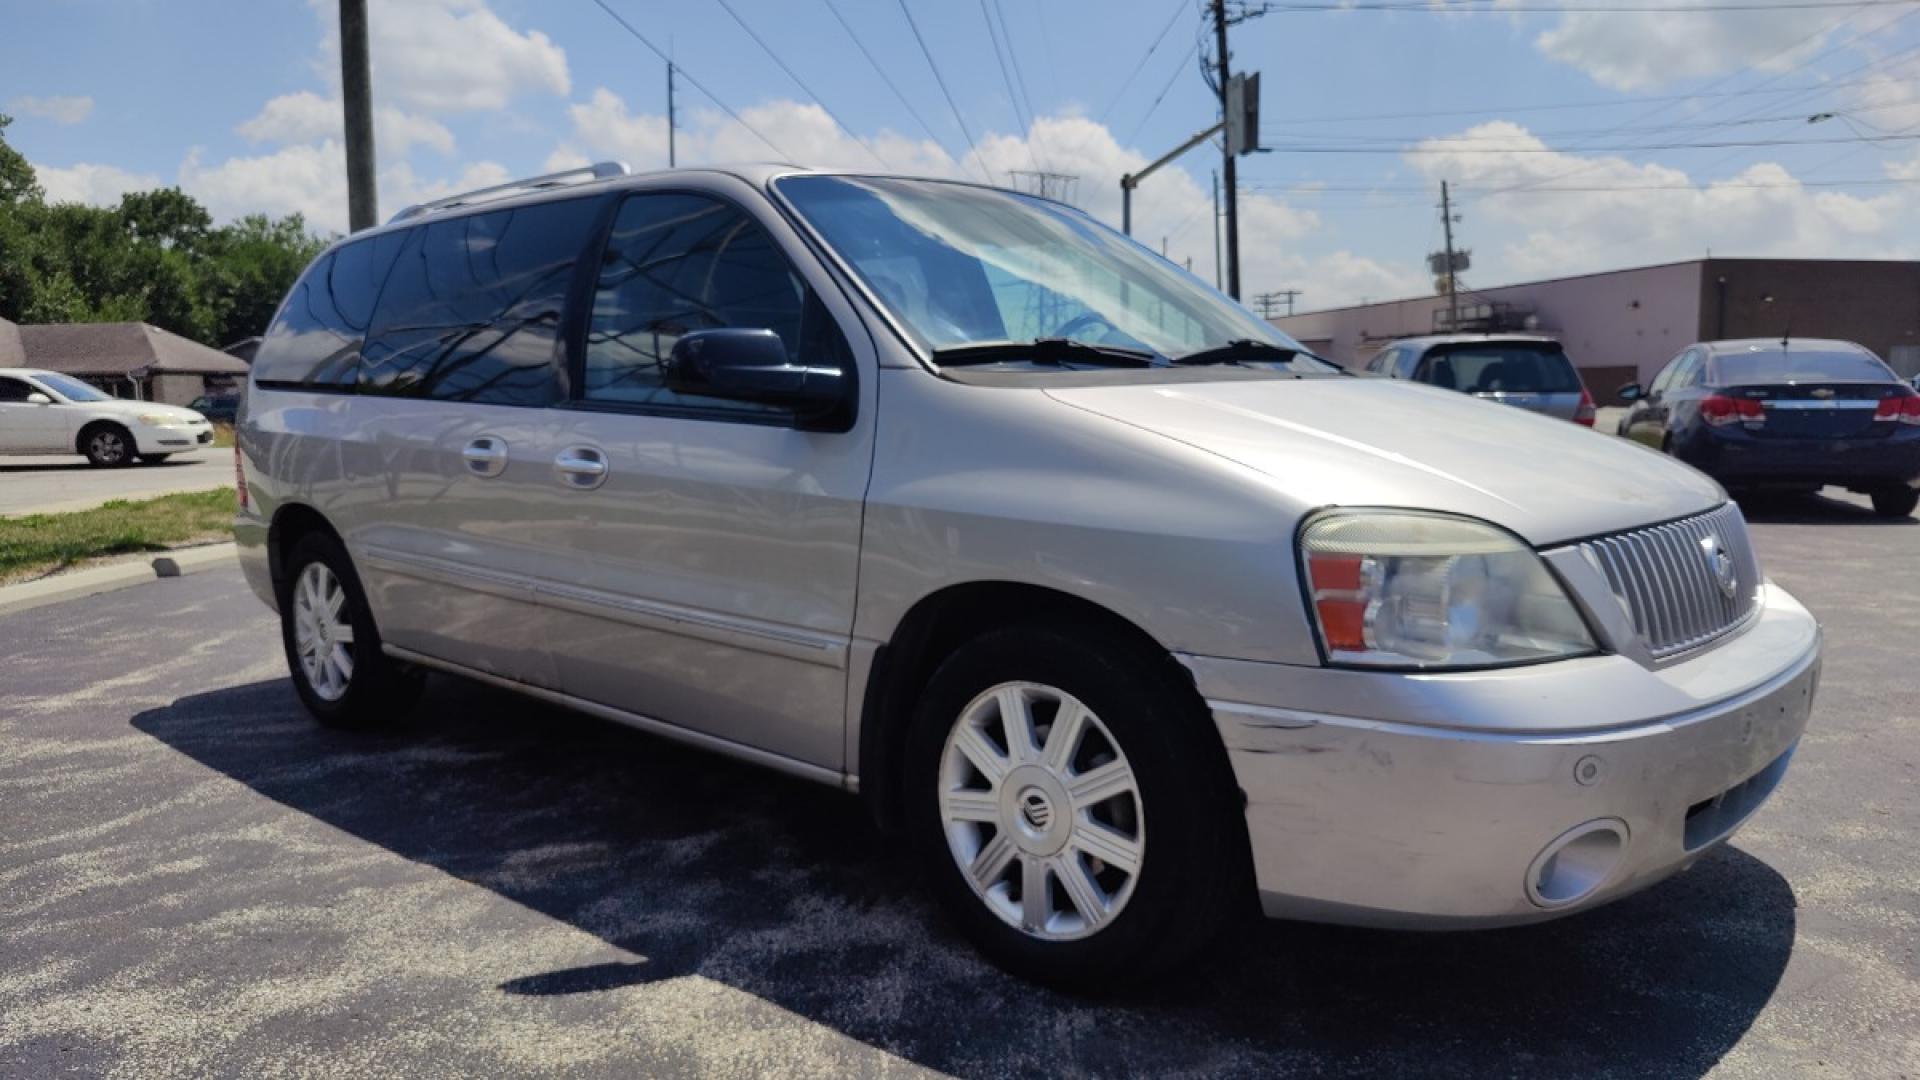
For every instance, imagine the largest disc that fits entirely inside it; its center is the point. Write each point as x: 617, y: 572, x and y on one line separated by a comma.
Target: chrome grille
x: 1666, y: 579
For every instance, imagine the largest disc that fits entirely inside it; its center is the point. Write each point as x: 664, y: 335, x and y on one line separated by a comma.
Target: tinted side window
x: 315, y: 340
x: 474, y: 306
x: 1688, y: 373
x: 1665, y: 378
x: 1378, y: 365
x: 13, y: 391
x: 678, y: 263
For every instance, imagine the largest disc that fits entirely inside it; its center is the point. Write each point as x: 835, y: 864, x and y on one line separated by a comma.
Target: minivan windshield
x: 961, y: 266
x: 1502, y: 367
x: 71, y: 388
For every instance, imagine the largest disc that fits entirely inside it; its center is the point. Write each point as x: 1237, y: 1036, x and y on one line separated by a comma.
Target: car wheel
x: 332, y: 645
x: 1895, y: 502
x: 107, y: 446
x: 153, y: 459
x: 1073, y: 808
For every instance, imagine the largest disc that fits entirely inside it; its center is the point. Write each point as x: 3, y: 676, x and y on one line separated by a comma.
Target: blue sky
x: 1557, y: 126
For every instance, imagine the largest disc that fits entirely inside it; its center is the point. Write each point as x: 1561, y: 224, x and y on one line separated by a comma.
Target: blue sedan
x: 1786, y: 414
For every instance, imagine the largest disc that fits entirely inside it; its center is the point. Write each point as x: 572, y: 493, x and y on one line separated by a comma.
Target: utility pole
x: 356, y: 95
x: 1216, y: 229
x: 670, y: 161
x: 1446, y: 227
x: 1265, y: 301
x: 1227, y: 168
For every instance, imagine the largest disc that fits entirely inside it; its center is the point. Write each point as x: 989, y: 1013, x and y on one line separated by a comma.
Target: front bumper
x: 1406, y: 818
x: 171, y: 438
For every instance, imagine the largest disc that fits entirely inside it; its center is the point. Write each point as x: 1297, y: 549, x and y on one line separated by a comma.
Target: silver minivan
x: 1127, y: 611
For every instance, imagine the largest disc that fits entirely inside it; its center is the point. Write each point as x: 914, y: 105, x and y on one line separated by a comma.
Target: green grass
x: 42, y: 543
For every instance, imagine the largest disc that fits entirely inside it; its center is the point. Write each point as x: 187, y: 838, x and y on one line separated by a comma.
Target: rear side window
x: 1501, y: 368
x: 679, y: 263
x: 473, y: 308
x: 315, y: 340
x: 1794, y: 365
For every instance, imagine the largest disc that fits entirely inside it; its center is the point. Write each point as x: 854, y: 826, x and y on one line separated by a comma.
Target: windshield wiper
x: 1052, y: 350
x: 1237, y: 350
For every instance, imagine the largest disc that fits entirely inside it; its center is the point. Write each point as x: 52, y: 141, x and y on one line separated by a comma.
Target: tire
x: 355, y: 685
x: 107, y: 446
x: 153, y: 459
x: 1895, y: 502
x: 1180, y: 824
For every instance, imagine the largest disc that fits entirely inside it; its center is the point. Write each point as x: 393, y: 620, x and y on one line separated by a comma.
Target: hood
x: 122, y: 407
x: 1386, y: 442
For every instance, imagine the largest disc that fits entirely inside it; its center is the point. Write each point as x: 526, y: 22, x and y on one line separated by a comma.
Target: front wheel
x: 107, y: 446
x: 1073, y: 807
x: 332, y: 646
x: 1895, y: 502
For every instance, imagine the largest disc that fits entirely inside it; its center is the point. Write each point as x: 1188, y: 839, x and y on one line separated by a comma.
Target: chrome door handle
x: 581, y: 467
x: 486, y: 456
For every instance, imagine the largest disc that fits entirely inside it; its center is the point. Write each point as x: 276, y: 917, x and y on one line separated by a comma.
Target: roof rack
x: 599, y: 170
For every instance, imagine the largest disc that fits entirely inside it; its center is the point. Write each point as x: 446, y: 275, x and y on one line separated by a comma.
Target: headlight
x: 154, y: 419
x: 1395, y: 588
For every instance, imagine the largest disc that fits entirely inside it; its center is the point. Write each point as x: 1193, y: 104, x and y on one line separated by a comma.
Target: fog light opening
x: 1577, y: 864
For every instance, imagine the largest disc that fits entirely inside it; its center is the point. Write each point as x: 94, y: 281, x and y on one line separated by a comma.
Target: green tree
x: 158, y: 257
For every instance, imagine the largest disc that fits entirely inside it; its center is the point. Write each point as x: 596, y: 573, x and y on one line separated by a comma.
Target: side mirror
x: 37, y: 398
x: 742, y: 364
x: 1630, y: 392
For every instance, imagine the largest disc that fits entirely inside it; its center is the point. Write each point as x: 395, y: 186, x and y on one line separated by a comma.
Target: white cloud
x: 306, y: 116
x: 60, y: 110
x: 310, y: 179
x: 96, y: 185
x: 1641, y: 50
x: 1762, y: 210
x: 1173, y: 204
x: 448, y: 55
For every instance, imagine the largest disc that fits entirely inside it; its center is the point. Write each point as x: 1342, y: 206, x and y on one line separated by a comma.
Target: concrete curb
x: 120, y: 575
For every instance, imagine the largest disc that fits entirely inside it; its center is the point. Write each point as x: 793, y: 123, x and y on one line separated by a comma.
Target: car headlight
x: 1399, y: 588
x: 154, y: 419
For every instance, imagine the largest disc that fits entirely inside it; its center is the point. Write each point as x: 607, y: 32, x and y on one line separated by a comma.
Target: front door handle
x: 581, y: 467
x: 486, y: 456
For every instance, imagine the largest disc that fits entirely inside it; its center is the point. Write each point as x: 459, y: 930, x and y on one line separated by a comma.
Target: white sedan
x: 45, y: 412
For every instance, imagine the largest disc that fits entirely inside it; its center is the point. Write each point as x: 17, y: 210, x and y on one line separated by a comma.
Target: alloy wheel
x: 1041, y: 810
x: 108, y: 447
x: 323, y: 631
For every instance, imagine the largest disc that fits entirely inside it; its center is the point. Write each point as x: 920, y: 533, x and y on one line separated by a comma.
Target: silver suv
x: 1120, y: 605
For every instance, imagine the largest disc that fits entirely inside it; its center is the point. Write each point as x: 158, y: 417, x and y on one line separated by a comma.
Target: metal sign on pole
x: 1243, y: 114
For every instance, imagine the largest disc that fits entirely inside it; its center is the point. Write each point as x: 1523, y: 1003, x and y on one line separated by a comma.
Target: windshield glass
x: 1797, y: 365
x: 71, y: 388
x: 1502, y: 368
x: 958, y: 265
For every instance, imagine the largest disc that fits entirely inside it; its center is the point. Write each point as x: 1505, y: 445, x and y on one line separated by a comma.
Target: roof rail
x: 599, y: 170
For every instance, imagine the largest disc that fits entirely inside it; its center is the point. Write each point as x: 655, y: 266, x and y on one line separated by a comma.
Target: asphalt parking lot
x: 60, y: 483
x: 195, y: 880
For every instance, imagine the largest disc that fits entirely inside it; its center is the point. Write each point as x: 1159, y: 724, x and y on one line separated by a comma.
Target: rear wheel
x: 1072, y: 808
x: 332, y: 645
x: 1895, y: 502
x: 107, y: 446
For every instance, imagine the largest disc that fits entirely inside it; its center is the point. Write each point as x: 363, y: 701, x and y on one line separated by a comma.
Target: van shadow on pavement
x: 783, y: 890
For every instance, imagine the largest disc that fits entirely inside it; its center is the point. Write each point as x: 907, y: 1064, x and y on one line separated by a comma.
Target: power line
x: 948, y: 94
x: 1342, y: 118
x: 687, y: 75
x: 1718, y: 145
x: 1162, y: 95
x: 882, y: 72
x: 1359, y: 189
x: 804, y: 88
x: 1013, y: 98
x: 1134, y: 71
x: 1497, y: 8
x: 1019, y: 76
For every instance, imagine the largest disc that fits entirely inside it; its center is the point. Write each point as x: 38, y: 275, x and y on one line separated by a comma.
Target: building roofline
x: 1703, y: 261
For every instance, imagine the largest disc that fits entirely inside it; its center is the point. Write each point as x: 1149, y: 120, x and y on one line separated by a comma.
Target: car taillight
x: 1584, y: 414
x: 1904, y: 409
x: 1721, y: 410
x: 239, y: 477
